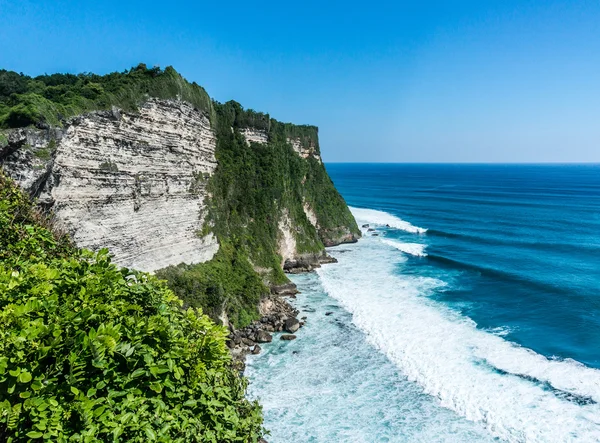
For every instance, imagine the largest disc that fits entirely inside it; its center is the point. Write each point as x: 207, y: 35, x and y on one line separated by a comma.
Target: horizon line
x: 540, y: 163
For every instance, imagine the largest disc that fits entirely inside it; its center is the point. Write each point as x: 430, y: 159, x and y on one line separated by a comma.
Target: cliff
x: 124, y: 181
x: 161, y: 176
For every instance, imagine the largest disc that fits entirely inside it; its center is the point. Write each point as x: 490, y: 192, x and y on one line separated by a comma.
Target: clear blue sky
x: 441, y: 81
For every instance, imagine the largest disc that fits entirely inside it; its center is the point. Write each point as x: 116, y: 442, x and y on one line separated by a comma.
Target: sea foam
x: 517, y: 394
x: 382, y: 218
x: 415, y: 249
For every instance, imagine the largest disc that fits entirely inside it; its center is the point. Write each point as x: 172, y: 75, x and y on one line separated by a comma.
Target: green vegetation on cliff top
x: 90, y: 352
x: 50, y: 99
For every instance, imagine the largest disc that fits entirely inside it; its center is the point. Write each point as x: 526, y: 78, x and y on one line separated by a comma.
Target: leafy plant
x: 90, y: 352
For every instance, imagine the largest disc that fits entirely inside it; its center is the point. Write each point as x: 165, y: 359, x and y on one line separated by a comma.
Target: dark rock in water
x: 256, y: 350
x: 375, y: 234
x: 365, y: 225
x: 338, y: 235
x: 328, y: 313
x: 294, y: 352
x: 387, y: 226
x: 309, y: 310
x: 304, y: 318
x: 264, y: 337
x: 327, y: 259
x: 292, y: 325
x: 302, y: 263
x: 288, y: 337
x: 285, y: 289
x: 370, y: 230
x: 247, y: 341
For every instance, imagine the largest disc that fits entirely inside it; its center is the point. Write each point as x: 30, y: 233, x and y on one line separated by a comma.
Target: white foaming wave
x: 500, y: 331
x: 382, y: 218
x: 457, y: 363
x: 416, y: 249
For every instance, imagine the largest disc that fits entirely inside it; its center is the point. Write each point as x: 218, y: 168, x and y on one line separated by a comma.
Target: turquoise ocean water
x: 473, y: 315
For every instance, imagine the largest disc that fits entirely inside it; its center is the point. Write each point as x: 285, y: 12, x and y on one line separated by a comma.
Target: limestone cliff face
x: 130, y: 182
x: 136, y: 183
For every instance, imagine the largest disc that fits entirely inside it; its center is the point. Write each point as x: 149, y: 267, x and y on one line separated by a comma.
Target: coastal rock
x: 264, y: 337
x: 288, y: 337
x: 334, y: 237
x: 326, y: 259
x: 307, y: 262
x: 248, y: 342
x: 292, y: 325
x: 285, y: 289
x: 256, y: 350
x: 365, y: 225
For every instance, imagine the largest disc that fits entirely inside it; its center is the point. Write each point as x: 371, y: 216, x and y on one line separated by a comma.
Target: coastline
x: 277, y: 314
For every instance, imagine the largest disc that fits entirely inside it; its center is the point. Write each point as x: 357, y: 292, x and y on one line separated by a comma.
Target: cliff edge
x: 145, y: 164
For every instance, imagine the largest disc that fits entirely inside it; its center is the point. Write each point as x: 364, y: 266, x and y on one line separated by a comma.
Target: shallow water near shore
x: 473, y: 315
x: 331, y: 385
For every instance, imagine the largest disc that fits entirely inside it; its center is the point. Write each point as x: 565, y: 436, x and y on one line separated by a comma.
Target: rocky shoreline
x: 277, y: 314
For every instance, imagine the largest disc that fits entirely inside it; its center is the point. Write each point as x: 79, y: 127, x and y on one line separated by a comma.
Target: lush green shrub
x: 49, y: 99
x: 227, y: 283
x: 90, y: 352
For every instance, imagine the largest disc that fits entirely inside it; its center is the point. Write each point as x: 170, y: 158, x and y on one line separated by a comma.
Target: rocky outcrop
x: 303, y: 150
x: 277, y: 316
x: 253, y: 135
x: 130, y: 182
x: 334, y: 237
x: 307, y: 262
x: 285, y: 289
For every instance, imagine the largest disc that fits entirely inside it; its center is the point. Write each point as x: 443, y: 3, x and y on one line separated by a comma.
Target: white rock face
x: 303, y: 152
x: 133, y: 183
x: 287, y: 241
x: 310, y: 215
x: 255, y: 135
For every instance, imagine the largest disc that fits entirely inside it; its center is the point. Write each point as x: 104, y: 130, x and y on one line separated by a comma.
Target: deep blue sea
x: 470, y: 313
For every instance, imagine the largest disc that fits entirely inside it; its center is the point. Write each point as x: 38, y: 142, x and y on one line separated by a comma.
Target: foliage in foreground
x: 90, y: 352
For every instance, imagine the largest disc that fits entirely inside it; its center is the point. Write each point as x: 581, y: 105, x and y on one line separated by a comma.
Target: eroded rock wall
x: 130, y: 182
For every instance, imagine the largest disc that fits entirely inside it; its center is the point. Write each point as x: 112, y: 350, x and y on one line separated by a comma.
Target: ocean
x: 470, y: 313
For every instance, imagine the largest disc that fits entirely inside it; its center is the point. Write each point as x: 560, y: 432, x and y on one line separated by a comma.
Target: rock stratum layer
x: 130, y: 182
